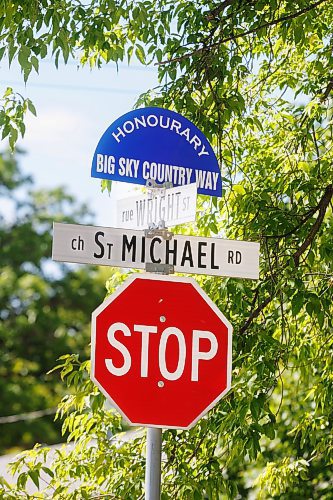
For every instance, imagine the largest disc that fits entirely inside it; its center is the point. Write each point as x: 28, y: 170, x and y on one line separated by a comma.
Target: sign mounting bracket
x: 164, y: 233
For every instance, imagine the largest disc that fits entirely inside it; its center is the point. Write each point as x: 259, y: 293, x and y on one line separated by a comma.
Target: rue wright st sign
x: 173, y: 206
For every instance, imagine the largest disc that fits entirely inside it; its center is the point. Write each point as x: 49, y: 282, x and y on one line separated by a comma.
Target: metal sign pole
x: 154, y: 434
x: 153, y: 464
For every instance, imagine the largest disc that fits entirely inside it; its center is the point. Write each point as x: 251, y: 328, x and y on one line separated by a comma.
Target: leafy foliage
x: 13, y: 108
x: 44, y: 312
x: 256, y: 78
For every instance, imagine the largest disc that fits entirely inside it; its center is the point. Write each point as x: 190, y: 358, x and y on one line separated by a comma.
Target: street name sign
x: 161, y: 351
x: 130, y: 248
x: 157, y: 144
x: 172, y: 206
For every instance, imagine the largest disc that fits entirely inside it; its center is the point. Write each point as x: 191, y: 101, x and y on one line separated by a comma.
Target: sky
x: 74, y: 108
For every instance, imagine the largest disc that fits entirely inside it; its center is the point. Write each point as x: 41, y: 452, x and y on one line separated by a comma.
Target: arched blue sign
x: 157, y: 144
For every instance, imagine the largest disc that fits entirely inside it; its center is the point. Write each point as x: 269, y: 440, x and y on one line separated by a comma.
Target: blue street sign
x: 157, y: 144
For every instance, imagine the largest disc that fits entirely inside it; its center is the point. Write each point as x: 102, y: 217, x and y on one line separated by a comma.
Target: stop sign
x: 161, y: 351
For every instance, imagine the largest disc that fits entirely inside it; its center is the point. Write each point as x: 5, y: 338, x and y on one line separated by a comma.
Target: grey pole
x: 153, y: 464
x: 154, y: 434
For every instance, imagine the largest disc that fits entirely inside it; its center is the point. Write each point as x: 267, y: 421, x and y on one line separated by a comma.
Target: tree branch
x: 321, y: 207
x: 245, y: 33
x: 294, y: 229
x: 215, y: 12
x: 327, y: 91
x: 255, y: 314
x: 32, y: 415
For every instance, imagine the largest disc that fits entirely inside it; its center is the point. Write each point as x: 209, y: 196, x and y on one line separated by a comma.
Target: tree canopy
x: 256, y: 78
x: 44, y: 310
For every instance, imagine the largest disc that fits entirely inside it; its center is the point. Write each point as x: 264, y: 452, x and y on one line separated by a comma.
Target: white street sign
x: 173, y: 206
x: 107, y: 246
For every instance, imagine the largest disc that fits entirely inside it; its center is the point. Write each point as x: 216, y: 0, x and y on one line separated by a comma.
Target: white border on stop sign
x: 211, y: 304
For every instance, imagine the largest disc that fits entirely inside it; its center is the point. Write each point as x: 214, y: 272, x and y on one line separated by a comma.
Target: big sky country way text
x: 158, y: 145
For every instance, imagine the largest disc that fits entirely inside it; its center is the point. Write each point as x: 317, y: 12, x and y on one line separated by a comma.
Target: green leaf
x: 130, y: 53
x: 48, y: 471
x: 159, y: 55
x: 309, y: 308
x: 34, y: 474
x: 12, y: 49
x: 255, y: 408
x: 140, y: 53
x: 106, y: 185
x: 26, y: 72
x: 66, y: 370
x: 13, y: 136
x: 269, y: 430
x: 35, y: 63
x: 5, y: 131
x: 31, y: 107
x: 43, y: 51
x: 320, y: 317
x: 213, y: 227
x: 239, y: 189
x: 8, y: 92
x: 23, y: 57
x: 22, y: 480
x: 297, y: 303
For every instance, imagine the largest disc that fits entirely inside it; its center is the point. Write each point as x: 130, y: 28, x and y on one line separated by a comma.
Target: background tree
x: 44, y: 309
x: 256, y: 77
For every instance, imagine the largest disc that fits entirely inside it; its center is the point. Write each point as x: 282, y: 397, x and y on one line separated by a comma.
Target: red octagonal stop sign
x: 161, y: 351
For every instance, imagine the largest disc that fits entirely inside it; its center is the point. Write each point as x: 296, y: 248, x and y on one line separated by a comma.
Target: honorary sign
x: 161, y: 351
x: 128, y: 248
x: 172, y: 206
x: 157, y: 144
